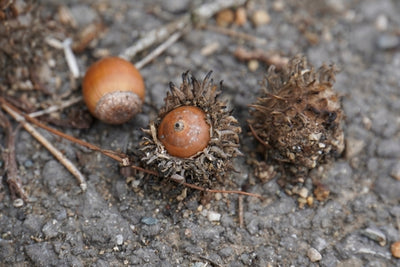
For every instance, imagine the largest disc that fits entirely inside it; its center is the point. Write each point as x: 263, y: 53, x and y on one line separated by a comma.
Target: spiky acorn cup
x: 298, y: 117
x: 194, y: 137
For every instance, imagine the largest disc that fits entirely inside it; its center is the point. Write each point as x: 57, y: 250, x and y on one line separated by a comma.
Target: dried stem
x: 13, y: 179
x: 268, y: 58
x: 54, y: 108
x: 17, y: 115
x: 240, y: 211
x: 257, y: 137
x: 202, y: 13
x: 156, y: 52
x: 120, y: 157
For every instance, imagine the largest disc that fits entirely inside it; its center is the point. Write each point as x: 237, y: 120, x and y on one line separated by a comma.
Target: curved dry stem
x: 120, y: 157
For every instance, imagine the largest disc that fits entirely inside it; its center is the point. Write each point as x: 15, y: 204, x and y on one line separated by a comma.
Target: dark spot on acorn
x: 194, y: 137
x: 298, y: 117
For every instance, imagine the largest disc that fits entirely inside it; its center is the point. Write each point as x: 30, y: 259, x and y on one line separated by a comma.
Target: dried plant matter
x: 214, y: 160
x: 298, y: 117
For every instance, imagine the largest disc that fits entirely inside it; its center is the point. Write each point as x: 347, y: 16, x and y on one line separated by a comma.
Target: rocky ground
x: 142, y: 220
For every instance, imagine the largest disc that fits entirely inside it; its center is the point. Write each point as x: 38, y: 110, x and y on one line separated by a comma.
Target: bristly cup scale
x: 298, y: 117
x: 195, y: 137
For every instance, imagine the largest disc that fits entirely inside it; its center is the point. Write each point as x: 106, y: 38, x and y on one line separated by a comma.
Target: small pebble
x: 303, y: 192
x: 149, y: 220
x: 260, y: 17
x: 28, y: 163
x: 395, y: 173
x: 199, y: 264
x: 241, y: 16
x: 314, y: 255
x: 395, y: 249
x: 387, y: 41
x: 278, y: 5
x: 210, y: 49
x: 353, y: 147
x: 376, y: 235
x: 253, y: 65
x: 225, y: 18
x: 218, y: 196
x: 18, y: 203
x: 381, y: 23
x: 213, y: 216
x: 120, y: 240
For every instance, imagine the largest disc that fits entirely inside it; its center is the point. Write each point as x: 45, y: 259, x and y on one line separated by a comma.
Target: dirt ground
x: 141, y: 220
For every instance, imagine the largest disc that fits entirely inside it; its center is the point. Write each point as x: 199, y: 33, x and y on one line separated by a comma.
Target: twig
x: 69, y: 54
x: 234, y: 33
x: 56, y: 153
x: 240, y: 211
x: 268, y: 58
x: 120, y: 157
x: 54, y: 108
x: 70, y: 57
x: 10, y: 164
x: 258, y: 137
x: 155, y: 36
x: 156, y: 52
x: 201, y: 13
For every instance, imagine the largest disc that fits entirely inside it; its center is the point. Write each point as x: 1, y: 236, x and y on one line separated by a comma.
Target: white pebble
x: 213, y: 216
x: 120, y: 240
x: 314, y: 255
x: 381, y: 23
x: 18, y: 203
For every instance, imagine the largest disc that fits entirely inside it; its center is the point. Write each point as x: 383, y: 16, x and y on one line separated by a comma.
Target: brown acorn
x: 298, y: 117
x: 194, y: 137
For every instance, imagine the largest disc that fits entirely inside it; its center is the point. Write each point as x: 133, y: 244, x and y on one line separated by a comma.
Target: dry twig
x: 240, y: 211
x: 54, y: 108
x: 156, y: 52
x: 201, y: 13
x: 120, y: 157
x: 268, y: 58
x: 10, y: 164
x: 17, y: 115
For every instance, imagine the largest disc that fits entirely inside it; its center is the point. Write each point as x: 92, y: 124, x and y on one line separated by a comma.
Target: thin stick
x: 10, y: 164
x: 202, y: 13
x: 41, y: 139
x: 156, y: 52
x: 257, y: 137
x: 268, y: 58
x: 54, y: 108
x: 68, y: 53
x: 154, y: 36
x: 120, y: 157
x: 240, y: 209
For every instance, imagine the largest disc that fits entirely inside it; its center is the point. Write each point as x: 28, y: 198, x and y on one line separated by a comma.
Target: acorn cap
x: 298, y: 116
x: 215, y: 159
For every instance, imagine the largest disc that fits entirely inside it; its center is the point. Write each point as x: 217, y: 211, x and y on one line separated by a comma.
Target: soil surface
x: 131, y: 219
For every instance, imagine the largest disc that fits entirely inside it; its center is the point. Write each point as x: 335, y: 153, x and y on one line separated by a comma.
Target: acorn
x: 298, y: 117
x: 195, y: 137
x: 113, y: 90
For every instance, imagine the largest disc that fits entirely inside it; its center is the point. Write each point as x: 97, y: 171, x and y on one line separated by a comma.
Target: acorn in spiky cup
x: 298, y: 117
x: 194, y: 137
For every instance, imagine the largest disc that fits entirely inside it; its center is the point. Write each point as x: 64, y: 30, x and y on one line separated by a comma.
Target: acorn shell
x: 213, y: 161
x: 298, y: 116
x: 113, y: 90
